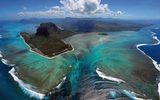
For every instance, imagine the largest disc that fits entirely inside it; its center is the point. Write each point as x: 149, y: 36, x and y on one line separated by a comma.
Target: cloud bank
x: 75, y: 8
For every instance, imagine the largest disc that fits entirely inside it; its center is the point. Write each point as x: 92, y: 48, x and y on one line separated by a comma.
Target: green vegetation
x: 48, y: 40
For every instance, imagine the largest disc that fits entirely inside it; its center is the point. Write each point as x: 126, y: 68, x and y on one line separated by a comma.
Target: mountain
x: 47, y: 41
x: 83, y: 25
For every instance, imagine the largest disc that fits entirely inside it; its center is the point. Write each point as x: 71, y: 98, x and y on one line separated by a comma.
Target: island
x: 48, y: 40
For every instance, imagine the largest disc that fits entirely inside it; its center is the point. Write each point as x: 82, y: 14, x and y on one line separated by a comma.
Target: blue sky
x: 135, y: 9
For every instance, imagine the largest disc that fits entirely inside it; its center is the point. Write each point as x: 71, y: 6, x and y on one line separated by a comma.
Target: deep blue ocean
x: 11, y: 91
x: 9, y: 88
x: 153, y: 50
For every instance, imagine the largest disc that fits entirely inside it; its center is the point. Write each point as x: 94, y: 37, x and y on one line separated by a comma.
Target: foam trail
x: 157, y: 66
x: 156, y: 38
x: 1, y: 54
x: 6, y: 62
x: 159, y: 89
x: 102, y: 75
x: 26, y: 87
x: 131, y: 95
x: 60, y: 84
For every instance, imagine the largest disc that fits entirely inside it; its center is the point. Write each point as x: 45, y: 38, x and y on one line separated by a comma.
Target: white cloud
x: 85, y: 6
x: 120, y: 13
x: 75, y: 8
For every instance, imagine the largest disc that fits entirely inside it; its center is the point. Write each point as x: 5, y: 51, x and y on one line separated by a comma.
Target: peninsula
x: 48, y: 40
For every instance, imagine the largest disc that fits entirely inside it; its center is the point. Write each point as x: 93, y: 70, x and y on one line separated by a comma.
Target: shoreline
x: 30, y: 49
x: 26, y: 88
x: 155, y: 63
x: 158, y: 42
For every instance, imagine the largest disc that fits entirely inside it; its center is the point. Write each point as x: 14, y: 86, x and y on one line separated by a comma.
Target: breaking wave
x: 157, y: 66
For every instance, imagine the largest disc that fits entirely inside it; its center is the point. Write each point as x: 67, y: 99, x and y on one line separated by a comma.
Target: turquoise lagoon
x: 115, y: 55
